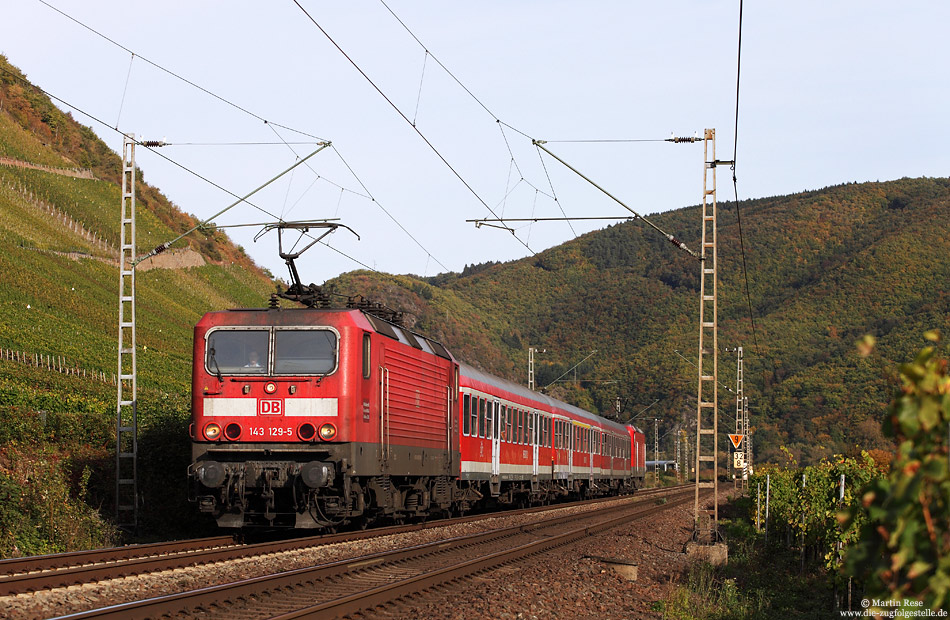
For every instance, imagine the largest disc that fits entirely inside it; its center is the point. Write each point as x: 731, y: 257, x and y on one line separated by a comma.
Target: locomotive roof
x: 524, y: 392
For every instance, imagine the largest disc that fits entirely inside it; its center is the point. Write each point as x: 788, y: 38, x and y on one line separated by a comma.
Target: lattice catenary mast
x: 707, y: 400
x: 126, y: 432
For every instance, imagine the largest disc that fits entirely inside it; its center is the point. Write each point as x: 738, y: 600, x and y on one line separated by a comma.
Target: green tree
x: 904, y: 550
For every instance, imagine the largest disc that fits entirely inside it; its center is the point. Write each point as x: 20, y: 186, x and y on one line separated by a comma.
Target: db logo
x: 268, y: 407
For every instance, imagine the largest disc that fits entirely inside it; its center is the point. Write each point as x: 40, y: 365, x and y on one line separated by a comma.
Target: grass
x: 758, y: 583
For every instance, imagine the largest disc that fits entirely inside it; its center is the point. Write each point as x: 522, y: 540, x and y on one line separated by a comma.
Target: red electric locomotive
x: 315, y: 417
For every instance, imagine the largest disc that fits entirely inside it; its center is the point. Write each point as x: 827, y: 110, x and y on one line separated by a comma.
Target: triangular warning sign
x: 736, y: 440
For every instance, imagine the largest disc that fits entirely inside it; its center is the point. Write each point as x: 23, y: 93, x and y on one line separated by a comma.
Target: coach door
x: 535, y: 440
x: 591, y: 443
x: 571, y: 438
x: 495, y: 432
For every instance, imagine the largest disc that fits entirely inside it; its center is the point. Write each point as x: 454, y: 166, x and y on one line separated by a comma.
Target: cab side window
x: 366, y: 356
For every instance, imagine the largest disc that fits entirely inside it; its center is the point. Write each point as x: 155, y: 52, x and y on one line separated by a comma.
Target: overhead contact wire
x: 553, y: 193
x: 415, y: 116
x: 175, y: 75
x: 128, y: 74
x: 735, y: 187
x: 501, y: 124
x: 409, y: 122
x: 439, y: 62
x: 384, y: 210
x: 171, y: 161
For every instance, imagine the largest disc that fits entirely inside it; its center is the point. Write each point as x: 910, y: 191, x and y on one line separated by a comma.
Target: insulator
x: 153, y: 143
x: 274, y: 302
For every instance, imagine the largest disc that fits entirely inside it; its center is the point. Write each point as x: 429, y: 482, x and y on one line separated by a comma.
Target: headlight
x: 327, y: 432
x: 212, y: 431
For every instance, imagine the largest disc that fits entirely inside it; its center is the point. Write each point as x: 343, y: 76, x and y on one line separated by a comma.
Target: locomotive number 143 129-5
x: 278, y: 431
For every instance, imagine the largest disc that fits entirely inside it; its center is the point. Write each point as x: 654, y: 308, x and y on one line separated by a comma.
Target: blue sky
x: 831, y: 92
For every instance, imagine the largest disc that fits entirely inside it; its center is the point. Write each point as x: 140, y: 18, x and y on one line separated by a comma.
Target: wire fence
x: 55, y: 363
x: 59, y: 216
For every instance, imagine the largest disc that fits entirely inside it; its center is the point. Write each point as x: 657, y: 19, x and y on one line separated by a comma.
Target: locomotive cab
x: 299, y: 418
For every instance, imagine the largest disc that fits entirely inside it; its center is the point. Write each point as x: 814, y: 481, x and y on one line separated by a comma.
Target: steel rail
x: 67, y: 569
x: 390, y: 592
x: 54, y: 561
x: 214, y: 595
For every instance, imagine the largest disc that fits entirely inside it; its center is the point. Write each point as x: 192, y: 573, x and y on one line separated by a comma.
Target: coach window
x: 474, y: 430
x: 508, y: 435
x: 466, y: 412
x: 481, y: 417
x: 491, y: 409
x: 501, y: 422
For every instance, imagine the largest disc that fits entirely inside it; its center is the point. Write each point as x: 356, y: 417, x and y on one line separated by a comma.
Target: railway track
x: 31, y: 574
x: 62, y: 569
x: 346, y: 586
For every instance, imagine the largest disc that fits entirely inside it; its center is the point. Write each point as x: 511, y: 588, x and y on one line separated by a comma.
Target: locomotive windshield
x: 304, y: 352
x: 237, y: 352
x: 296, y: 351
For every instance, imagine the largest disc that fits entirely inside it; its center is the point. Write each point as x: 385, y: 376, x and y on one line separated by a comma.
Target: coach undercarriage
x: 255, y: 487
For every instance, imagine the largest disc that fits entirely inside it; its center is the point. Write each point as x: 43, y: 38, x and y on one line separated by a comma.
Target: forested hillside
x: 825, y: 268
x: 59, y: 237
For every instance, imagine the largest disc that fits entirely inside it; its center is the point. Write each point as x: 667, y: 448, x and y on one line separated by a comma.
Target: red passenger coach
x: 316, y: 417
x: 526, y: 447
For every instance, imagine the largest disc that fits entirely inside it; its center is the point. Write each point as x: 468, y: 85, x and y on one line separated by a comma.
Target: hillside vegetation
x: 825, y: 268
x: 59, y: 299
